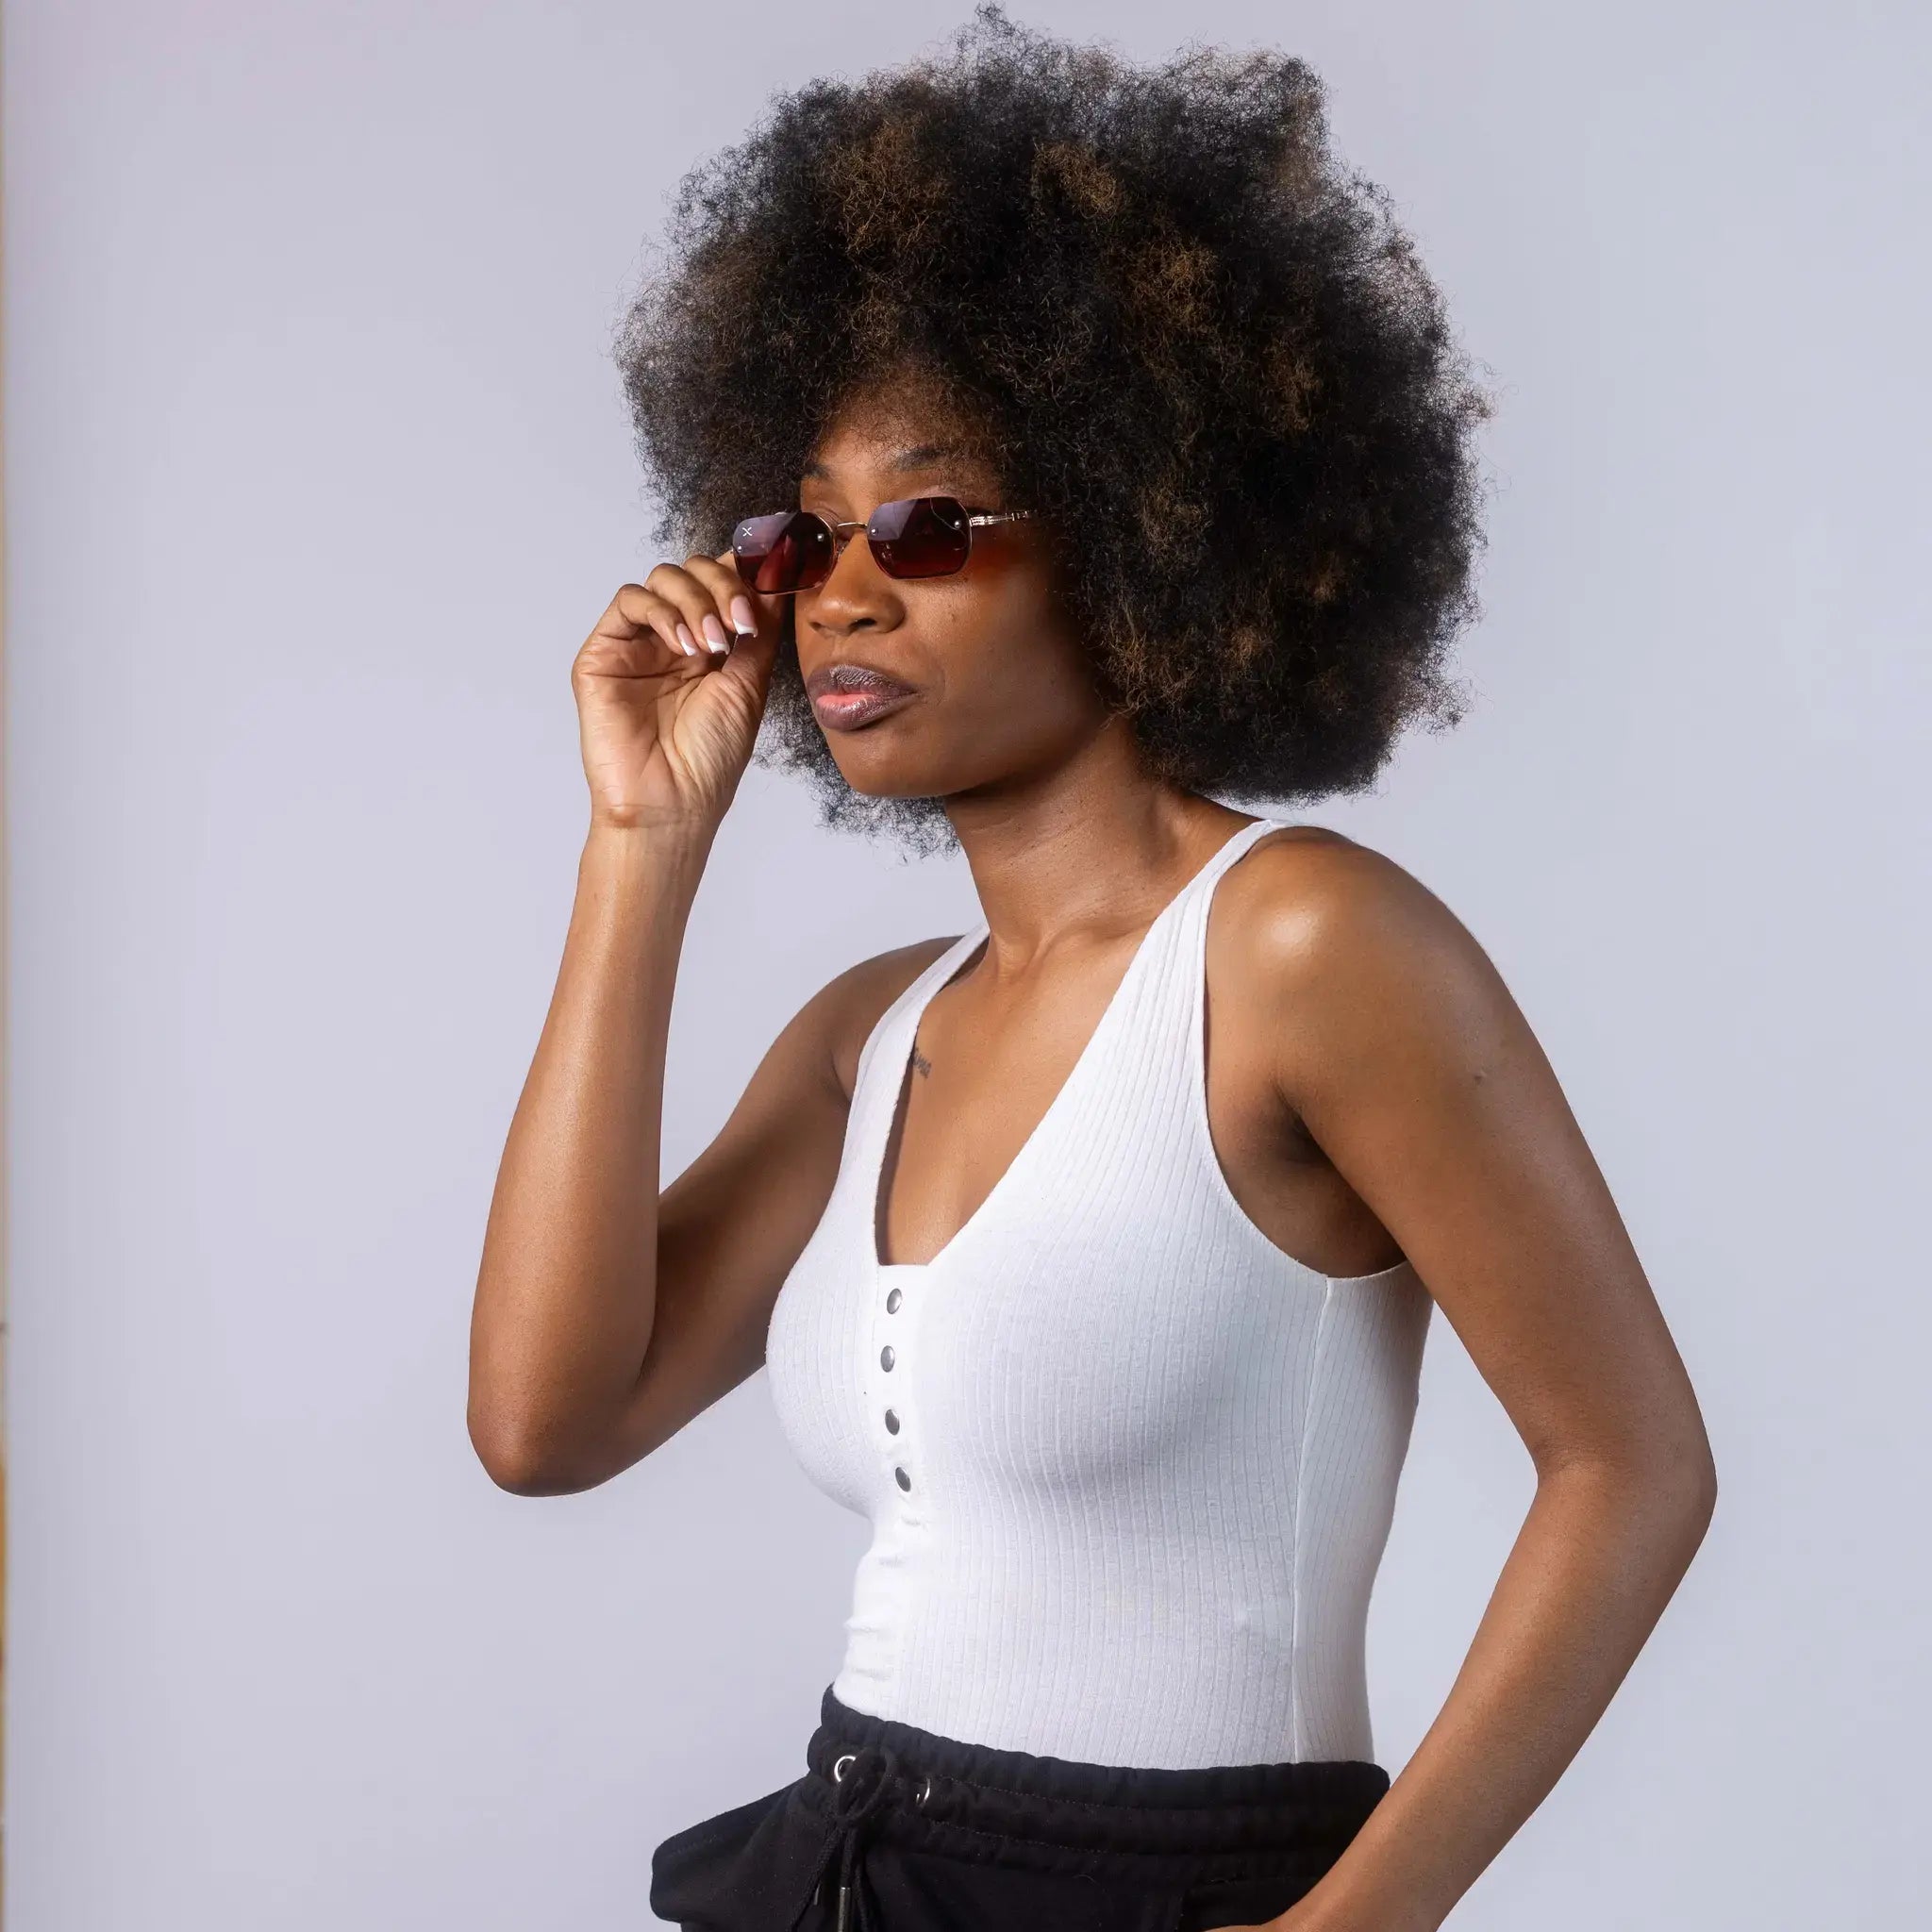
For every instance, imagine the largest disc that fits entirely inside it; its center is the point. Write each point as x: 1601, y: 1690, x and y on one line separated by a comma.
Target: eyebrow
x: 920, y: 456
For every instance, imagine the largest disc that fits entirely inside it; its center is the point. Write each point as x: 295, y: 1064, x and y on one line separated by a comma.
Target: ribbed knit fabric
x: 1144, y: 1462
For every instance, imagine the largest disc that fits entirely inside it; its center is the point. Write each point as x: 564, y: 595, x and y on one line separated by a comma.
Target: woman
x: 1057, y: 444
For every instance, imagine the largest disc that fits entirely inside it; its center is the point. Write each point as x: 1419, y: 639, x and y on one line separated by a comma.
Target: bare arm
x: 608, y: 1314
x: 605, y: 1317
x: 1413, y: 1068
x: 566, y: 1294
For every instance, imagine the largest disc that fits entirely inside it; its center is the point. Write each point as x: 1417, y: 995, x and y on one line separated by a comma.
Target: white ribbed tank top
x: 1130, y: 1467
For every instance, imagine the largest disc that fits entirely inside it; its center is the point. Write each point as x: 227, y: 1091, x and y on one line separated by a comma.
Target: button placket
x: 889, y: 1331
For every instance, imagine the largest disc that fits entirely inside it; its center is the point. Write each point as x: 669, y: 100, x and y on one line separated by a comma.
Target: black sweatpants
x: 897, y: 1829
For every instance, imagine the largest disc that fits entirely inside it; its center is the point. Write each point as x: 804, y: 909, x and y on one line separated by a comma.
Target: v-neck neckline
x: 943, y: 976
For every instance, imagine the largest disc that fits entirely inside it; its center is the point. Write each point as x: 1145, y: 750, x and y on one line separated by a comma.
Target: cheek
x: 1010, y: 654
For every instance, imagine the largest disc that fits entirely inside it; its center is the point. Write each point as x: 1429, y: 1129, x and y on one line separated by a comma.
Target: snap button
x: 886, y: 1356
x: 900, y: 1477
x: 892, y: 1421
x: 892, y: 1302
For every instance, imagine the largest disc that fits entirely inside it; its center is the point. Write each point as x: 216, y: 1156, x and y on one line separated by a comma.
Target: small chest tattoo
x: 920, y: 1062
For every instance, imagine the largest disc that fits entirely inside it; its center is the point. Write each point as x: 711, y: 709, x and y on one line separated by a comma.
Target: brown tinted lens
x: 920, y: 536
x: 789, y: 550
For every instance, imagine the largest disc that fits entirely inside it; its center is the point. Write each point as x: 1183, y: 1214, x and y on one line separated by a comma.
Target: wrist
x: 1334, y: 1914
x: 1334, y: 1904
x: 669, y: 857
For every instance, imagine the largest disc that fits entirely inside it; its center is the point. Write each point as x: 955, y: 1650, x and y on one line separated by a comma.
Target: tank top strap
x: 1198, y: 894
x: 1157, y: 1051
x: 1200, y: 889
x: 1178, y: 939
x: 892, y: 1033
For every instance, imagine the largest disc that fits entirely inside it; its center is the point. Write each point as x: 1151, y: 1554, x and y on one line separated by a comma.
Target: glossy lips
x: 845, y: 696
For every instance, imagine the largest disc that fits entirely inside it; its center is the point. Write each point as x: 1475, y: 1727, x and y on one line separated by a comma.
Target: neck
x: 1081, y: 855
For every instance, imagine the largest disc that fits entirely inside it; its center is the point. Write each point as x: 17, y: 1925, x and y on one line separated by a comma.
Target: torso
x: 1129, y: 1463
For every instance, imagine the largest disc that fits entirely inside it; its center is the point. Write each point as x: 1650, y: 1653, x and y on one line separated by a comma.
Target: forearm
x: 1601, y: 1551
x: 566, y: 1291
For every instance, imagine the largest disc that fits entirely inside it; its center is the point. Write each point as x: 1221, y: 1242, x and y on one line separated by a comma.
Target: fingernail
x: 714, y: 634
x: 685, y: 643
x: 744, y: 616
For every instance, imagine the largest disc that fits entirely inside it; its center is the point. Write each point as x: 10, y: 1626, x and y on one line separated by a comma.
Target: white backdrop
x: 317, y: 476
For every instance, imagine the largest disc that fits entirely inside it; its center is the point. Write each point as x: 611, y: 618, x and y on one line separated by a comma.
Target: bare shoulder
x: 1307, y: 885
x: 1310, y: 915
x: 849, y: 1007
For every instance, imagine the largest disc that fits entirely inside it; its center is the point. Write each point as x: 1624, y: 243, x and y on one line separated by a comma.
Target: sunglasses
x: 914, y: 537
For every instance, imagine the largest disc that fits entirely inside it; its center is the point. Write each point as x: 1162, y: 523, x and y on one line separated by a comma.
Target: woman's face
x: 998, y: 684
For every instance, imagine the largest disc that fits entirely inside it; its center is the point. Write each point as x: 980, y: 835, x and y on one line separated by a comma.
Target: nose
x: 858, y: 595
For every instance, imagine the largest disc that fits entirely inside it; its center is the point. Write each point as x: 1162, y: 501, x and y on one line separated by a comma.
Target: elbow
x: 1667, y: 1480
x: 1682, y: 1472
x: 506, y: 1459
x: 1691, y: 1481
x: 1682, y: 1499
x: 1683, y: 1487
x: 519, y: 1460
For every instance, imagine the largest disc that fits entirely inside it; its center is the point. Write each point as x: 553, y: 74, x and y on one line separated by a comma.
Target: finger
x: 729, y: 594
x: 763, y: 612
x: 696, y: 605
x: 638, y: 610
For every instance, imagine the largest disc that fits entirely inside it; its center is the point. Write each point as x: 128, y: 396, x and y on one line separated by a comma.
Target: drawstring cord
x: 863, y: 1783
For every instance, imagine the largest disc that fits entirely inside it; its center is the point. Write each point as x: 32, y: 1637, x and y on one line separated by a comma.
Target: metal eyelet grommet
x: 839, y: 1766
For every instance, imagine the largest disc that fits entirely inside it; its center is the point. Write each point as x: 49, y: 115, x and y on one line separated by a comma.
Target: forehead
x: 842, y: 459
x: 896, y: 431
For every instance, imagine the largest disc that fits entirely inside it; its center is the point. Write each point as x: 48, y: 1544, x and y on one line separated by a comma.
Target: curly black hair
x: 1181, y: 328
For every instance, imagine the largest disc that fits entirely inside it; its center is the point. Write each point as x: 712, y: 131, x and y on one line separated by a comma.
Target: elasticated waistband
x: 915, y: 1787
